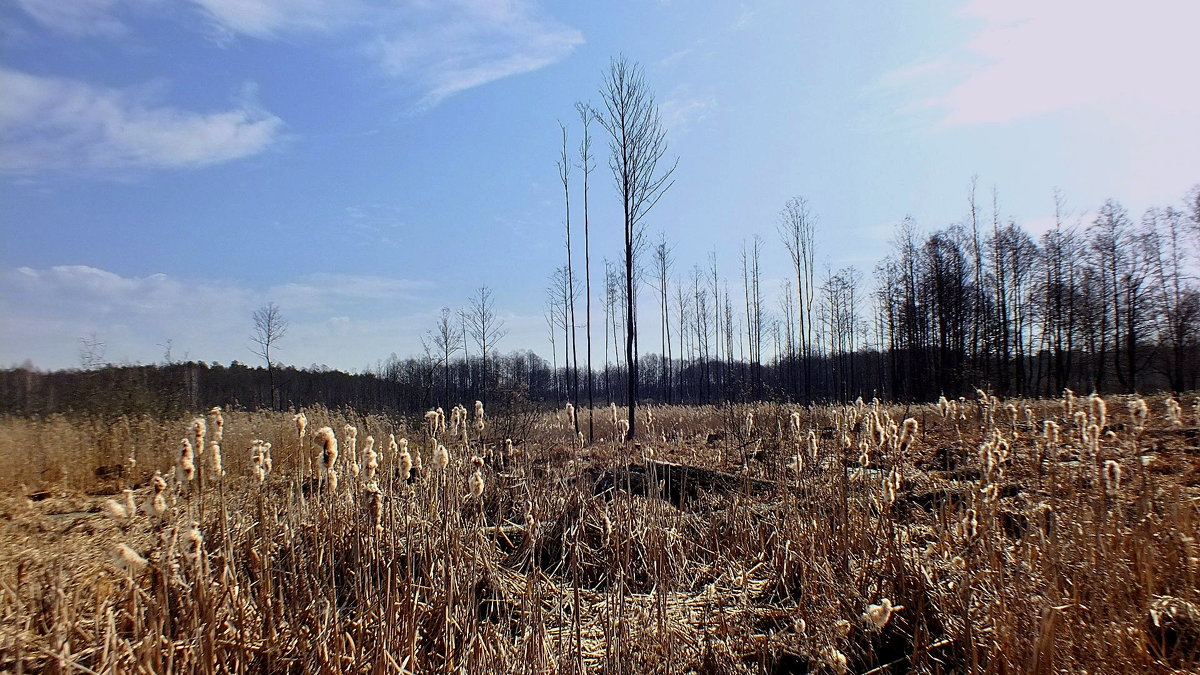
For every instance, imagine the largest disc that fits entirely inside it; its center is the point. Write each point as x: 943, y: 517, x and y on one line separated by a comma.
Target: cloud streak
x: 51, y: 123
x: 442, y: 49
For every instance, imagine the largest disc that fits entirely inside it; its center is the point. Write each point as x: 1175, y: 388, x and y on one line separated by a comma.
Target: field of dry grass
x: 981, y: 536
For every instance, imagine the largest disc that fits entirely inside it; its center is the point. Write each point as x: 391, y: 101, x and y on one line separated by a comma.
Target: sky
x: 169, y: 166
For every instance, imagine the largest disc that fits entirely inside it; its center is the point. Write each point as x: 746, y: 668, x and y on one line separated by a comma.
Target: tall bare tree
x: 269, y: 329
x: 638, y: 143
x: 586, y: 164
x: 445, y: 340
x: 797, y: 230
x: 486, y: 328
x: 661, y: 273
x: 564, y: 174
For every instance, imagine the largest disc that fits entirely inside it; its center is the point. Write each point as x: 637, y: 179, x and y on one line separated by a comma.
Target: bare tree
x: 91, y: 352
x: 587, y: 163
x: 564, y: 174
x: 638, y: 142
x: 796, y: 229
x: 445, y: 340
x: 269, y: 329
x: 661, y: 272
x: 486, y: 328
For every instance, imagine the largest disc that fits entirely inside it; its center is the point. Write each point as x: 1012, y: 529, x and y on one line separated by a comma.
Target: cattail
x: 128, y: 560
x: 943, y: 406
x: 329, y: 449
x: 375, y: 505
x: 370, y: 458
x: 891, y: 486
x: 115, y: 510
x: 301, y: 421
x: 193, y: 543
x: 476, y: 483
x: 130, y: 505
x: 1099, y: 410
x: 1139, y: 412
x: 1112, y: 476
x: 570, y: 415
x: 351, y: 443
x: 156, y: 502
x: 1050, y: 430
x: 877, y: 616
x: 794, y: 423
x: 479, y: 416
x: 623, y: 430
x: 748, y: 424
x: 833, y: 659
x: 393, y: 446
x: 217, y: 423
x: 431, y: 422
x: 1174, y: 412
x: 841, y: 627
x: 267, y: 463
x: 970, y: 524
x: 199, y: 428
x: 908, y: 434
x: 580, y: 439
x: 1068, y: 403
x: 455, y: 420
x: 332, y: 476
x: 812, y: 445
x: 613, y: 407
x: 406, y: 463
x: 258, y: 460
x: 214, y: 448
x: 441, y: 457
x: 187, y: 464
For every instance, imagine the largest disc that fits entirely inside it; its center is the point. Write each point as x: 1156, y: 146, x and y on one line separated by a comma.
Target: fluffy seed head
x: 199, y: 429
x: 329, y: 448
x: 217, y: 423
x: 128, y: 560
x: 301, y: 421
x: 1139, y: 412
x: 441, y: 457
x: 476, y: 484
x: 406, y: 464
x: 115, y: 510
x: 1112, y: 476
x: 877, y: 616
x: 214, y: 449
x: 187, y: 464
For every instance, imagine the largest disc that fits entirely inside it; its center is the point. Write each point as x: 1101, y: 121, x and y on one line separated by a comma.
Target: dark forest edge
x: 411, y: 386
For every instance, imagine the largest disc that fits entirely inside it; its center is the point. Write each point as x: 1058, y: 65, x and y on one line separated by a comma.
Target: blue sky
x: 168, y: 166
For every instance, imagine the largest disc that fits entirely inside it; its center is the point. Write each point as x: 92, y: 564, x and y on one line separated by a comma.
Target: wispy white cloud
x: 51, y: 123
x: 434, y: 49
x: 440, y: 49
x: 682, y: 109
x: 77, y: 17
x: 270, y: 18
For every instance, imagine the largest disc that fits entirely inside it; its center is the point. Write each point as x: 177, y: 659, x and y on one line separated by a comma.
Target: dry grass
x: 1017, y: 557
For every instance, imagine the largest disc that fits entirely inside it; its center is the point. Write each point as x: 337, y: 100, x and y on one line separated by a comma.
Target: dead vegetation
x: 981, y: 536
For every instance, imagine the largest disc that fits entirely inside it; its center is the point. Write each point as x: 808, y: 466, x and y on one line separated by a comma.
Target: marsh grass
x: 966, y: 540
